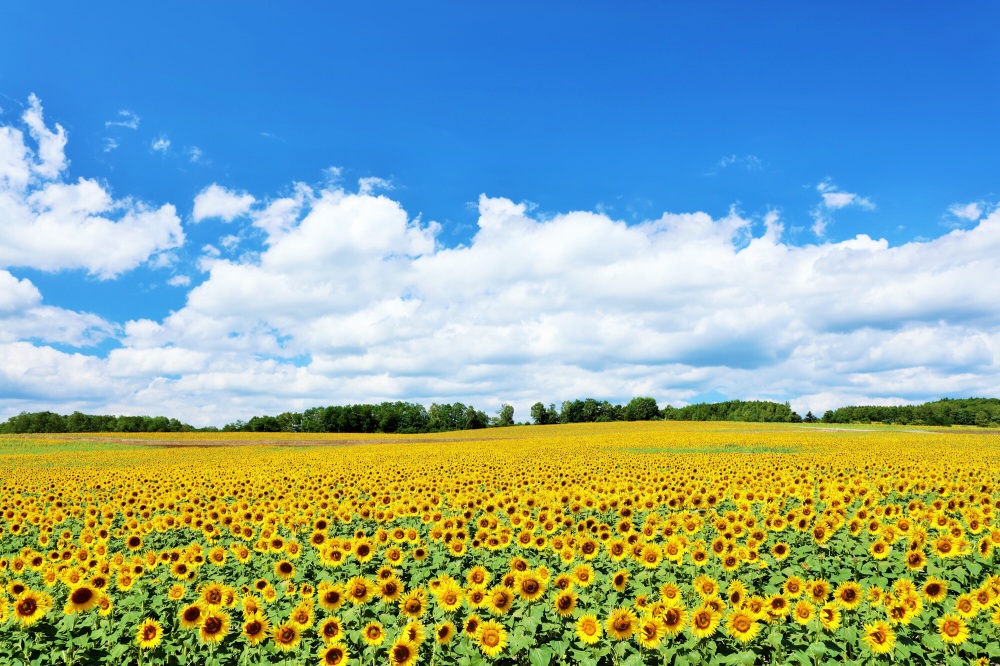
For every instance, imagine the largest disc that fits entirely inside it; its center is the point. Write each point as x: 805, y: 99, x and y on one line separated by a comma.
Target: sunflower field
x: 615, y: 544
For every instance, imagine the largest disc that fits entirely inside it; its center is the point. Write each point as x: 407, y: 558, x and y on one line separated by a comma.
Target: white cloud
x: 24, y: 316
x: 351, y: 299
x: 969, y: 212
x: 51, y: 154
x: 127, y: 119
x: 195, y: 155
x: 833, y: 198
x: 370, y: 184
x: 746, y: 162
x: 50, y: 223
x: 217, y: 201
x: 161, y: 144
x: 110, y: 144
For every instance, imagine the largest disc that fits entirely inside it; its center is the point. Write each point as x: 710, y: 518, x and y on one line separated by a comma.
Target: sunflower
x: 650, y: 632
x: 848, y: 595
x: 373, y: 633
x: 674, y: 619
x: 359, y: 590
x: 104, y: 605
x: 704, y: 622
x: 176, y: 592
x: 214, y: 626
x: 500, y: 600
x: 403, y: 653
x: 212, y: 594
x: 794, y: 587
x: 916, y: 560
x: 780, y: 550
x: 390, y: 589
x: 191, y: 616
x: 529, y: 586
x: 256, y: 627
x: 775, y: 606
x: 450, y: 597
x: 148, y: 634
x: 81, y: 598
x: 966, y: 606
x: 829, y: 616
x: 934, y: 590
x: 742, y: 626
x: 879, y: 637
x: 471, y: 625
x: 588, y: 629
x: 477, y: 576
x: 331, y: 596
x: 333, y: 655
x: 670, y: 593
x: 414, y: 604
x: 287, y: 636
x: 583, y: 575
x: 476, y: 597
x: 651, y: 556
x: 31, y: 606
x: 705, y: 586
x: 491, y: 638
x: 331, y: 630
x: 284, y: 569
x: 564, y: 603
x: 415, y: 632
x: 621, y: 623
x: 444, y: 632
x: 619, y: 580
x: 952, y: 629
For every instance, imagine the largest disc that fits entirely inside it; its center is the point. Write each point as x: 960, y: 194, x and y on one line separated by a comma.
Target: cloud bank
x: 351, y: 299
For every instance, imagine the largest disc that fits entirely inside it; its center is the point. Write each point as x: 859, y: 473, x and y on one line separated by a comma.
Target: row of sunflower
x: 628, y: 544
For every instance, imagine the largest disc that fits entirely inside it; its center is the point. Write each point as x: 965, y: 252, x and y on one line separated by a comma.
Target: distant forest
x: 982, y: 412
x: 409, y: 417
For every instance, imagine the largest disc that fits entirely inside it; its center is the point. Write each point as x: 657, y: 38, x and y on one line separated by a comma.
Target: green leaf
x: 540, y: 656
x: 933, y: 641
x: 816, y: 650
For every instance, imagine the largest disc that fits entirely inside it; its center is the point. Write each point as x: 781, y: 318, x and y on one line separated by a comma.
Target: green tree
x: 505, y: 416
x: 642, y: 409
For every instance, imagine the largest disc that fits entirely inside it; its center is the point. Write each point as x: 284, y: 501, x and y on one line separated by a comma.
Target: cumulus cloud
x: 746, y: 162
x: 969, y: 212
x: 23, y: 316
x: 160, y: 144
x: 353, y: 300
x: 217, y: 201
x: 50, y: 223
x: 833, y: 198
x: 349, y: 299
x: 127, y: 119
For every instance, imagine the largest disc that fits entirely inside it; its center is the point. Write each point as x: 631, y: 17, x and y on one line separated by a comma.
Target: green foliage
x: 49, y: 422
x: 753, y: 411
x: 982, y: 412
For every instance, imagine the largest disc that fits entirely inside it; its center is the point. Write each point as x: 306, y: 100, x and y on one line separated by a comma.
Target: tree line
x: 411, y: 418
x: 982, y: 412
x: 43, y: 422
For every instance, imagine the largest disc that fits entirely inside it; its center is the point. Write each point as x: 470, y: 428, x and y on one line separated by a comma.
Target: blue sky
x: 802, y: 127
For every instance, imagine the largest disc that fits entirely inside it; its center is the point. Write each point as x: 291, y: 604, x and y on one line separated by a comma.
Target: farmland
x: 623, y: 544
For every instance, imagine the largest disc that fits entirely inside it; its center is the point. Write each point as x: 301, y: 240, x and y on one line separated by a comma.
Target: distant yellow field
x: 603, y: 543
